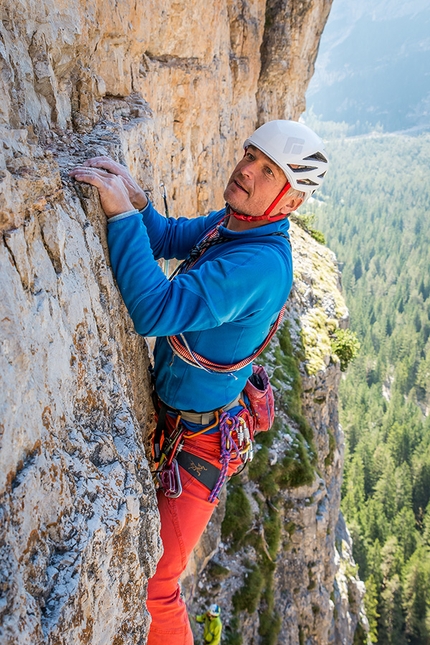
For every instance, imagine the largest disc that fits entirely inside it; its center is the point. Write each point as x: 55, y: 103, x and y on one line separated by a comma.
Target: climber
x: 211, y: 320
x: 213, y: 625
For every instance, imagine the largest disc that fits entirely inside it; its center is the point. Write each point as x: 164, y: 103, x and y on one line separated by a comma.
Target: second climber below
x: 213, y: 626
x: 211, y: 319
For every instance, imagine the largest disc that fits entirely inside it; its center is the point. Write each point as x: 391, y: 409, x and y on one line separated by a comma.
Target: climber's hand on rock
x: 135, y: 193
x: 112, y: 190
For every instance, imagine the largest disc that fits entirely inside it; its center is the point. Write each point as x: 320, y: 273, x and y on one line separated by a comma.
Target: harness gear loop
x: 165, y: 448
x: 167, y: 472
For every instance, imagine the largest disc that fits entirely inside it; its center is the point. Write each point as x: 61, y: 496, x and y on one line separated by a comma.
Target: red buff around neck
x: 266, y: 214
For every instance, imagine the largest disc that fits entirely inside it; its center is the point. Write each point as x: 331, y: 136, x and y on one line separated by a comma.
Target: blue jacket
x: 224, y: 305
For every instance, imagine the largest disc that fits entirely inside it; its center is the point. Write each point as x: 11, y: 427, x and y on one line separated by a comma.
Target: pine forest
x: 374, y: 212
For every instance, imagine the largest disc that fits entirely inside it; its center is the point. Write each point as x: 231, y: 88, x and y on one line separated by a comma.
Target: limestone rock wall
x: 78, y: 518
x: 171, y: 89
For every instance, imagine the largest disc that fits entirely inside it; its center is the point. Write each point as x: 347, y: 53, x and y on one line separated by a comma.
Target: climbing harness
x: 236, y: 430
x: 236, y: 436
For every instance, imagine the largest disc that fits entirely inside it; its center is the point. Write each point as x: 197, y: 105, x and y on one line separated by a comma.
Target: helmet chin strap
x: 266, y: 215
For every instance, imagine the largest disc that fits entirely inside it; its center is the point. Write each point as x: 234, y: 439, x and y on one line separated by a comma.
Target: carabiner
x: 163, y: 193
x: 162, y: 188
x: 170, y: 480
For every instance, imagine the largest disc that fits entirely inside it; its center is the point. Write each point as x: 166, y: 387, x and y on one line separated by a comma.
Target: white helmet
x: 296, y: 149
x: 214, y: 610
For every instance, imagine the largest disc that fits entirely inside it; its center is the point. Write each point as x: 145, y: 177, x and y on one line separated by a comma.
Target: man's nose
x: 247, y: 167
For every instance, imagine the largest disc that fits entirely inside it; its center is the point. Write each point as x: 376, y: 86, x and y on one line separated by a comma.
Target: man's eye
x: 269, y: 171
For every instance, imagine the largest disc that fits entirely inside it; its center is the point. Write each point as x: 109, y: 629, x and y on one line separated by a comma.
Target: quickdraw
x: 232, y: 446
x: 167, y: 472
x: 236, y: 437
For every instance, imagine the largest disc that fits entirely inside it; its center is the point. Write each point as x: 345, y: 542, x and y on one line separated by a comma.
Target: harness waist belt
x: 205, y: 472
x: 205, y: 418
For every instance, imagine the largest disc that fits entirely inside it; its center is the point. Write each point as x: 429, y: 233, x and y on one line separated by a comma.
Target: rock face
x: 171, y: 90
x: 78, y: 518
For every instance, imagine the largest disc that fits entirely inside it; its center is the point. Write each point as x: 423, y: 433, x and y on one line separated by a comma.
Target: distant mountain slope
x: 373, y: 210
x: 374, y: 65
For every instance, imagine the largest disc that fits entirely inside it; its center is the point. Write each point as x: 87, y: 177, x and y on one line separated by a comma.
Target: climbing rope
x: 229, y: 449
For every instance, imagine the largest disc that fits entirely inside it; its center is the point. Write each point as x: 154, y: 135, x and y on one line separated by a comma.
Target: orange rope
x: 200, y: 361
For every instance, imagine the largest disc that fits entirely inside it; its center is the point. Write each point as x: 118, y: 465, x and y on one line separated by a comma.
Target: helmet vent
x: 317, y: 156
x: 307, y: 182
x: 300, y: 169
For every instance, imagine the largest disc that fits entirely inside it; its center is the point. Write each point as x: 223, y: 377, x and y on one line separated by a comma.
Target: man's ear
x: 291, y: 205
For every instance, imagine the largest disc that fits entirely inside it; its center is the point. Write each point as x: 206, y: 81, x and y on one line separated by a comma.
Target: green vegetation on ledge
x: 306, y: 223
x: 316, y: 285
x: 346, y: 346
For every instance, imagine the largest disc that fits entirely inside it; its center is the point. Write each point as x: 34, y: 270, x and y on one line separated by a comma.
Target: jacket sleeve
x: 231, y: 287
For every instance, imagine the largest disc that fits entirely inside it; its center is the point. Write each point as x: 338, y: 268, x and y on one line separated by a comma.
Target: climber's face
x: 254, y: 184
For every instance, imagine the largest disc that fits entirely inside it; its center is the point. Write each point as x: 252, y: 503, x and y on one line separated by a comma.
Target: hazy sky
x: 374, y: 64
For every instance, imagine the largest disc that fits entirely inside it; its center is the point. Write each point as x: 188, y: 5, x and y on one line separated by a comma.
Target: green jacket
x: 213, y: 628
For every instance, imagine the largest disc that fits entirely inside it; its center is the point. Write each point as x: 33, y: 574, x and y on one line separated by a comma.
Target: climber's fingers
x: 101, y: 179
x: 113, y: 193
x: 106, y: 163
x: 135, y: 192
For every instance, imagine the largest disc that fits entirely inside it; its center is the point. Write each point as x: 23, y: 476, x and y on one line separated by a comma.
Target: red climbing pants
x: 183, y: 521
